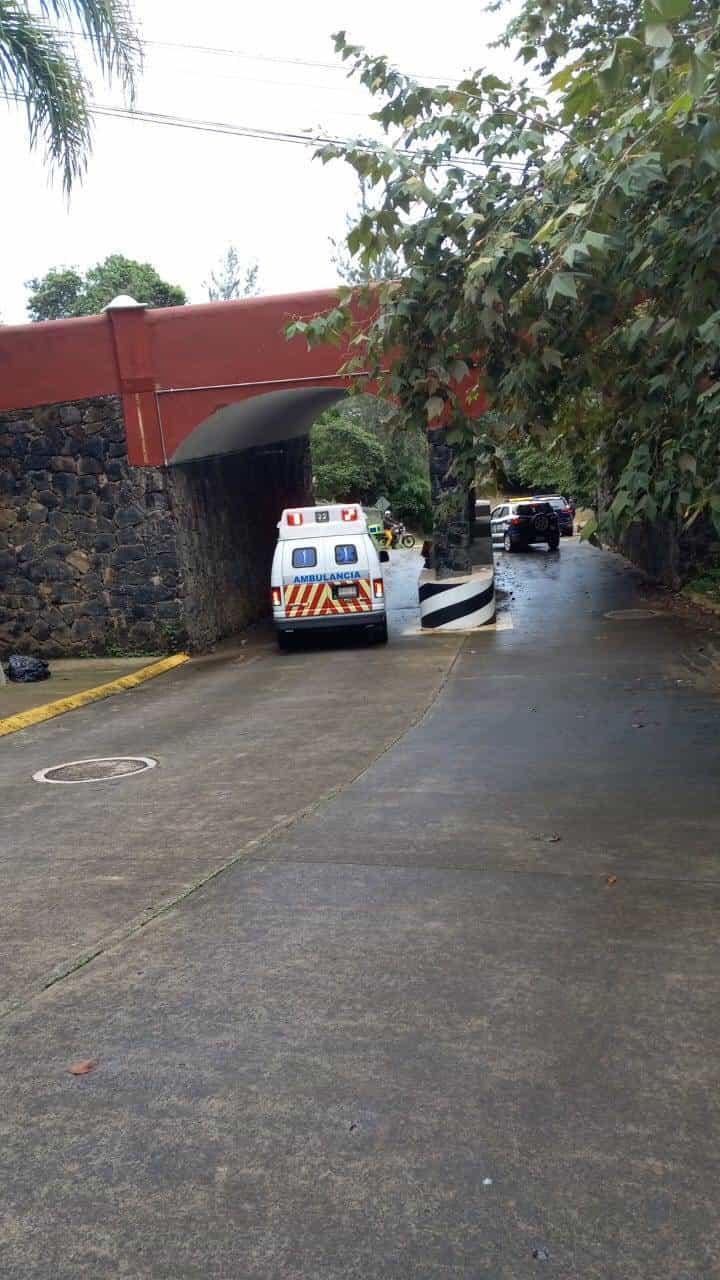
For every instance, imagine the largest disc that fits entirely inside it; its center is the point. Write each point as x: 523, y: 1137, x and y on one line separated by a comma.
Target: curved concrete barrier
x: 458, y: 603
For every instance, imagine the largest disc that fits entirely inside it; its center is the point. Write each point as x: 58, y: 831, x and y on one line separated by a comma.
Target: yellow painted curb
x: 24, y: 719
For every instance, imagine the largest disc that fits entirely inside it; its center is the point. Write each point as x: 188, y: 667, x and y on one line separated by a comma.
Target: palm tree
x: 39, y: 68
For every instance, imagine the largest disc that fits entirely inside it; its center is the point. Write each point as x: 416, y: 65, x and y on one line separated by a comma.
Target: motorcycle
x: 398, y: 537
x: 401, y: 538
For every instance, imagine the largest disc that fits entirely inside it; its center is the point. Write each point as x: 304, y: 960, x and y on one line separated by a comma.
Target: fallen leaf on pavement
x: 553, y: 839
x: 611, y: 880
x: 82, y: 1068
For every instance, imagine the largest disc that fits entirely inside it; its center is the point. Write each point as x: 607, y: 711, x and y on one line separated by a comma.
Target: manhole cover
x: 630, y: 615
x: 100, y: 769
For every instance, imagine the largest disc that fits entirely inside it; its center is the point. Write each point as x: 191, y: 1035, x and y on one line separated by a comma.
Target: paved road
x: 246, y: 740
x: 416, y: 1033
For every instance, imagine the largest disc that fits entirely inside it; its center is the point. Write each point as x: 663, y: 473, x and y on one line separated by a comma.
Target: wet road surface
x: 459, y: 1020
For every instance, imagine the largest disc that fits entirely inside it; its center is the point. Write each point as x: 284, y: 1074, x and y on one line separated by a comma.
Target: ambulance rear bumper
x: 377, y: 617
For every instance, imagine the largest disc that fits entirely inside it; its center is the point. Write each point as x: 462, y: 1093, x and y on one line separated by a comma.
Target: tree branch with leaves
x: 566, y: 245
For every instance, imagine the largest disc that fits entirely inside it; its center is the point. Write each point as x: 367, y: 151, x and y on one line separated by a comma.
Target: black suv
x: 565, y: 513
x: 517, y: 525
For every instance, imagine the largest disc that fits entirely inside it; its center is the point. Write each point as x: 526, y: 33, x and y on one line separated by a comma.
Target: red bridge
x: 195, y: 381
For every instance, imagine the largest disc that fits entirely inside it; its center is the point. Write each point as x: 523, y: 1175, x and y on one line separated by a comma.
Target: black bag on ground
x: 26, y: 670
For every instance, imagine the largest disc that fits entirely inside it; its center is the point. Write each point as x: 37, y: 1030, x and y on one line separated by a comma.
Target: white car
x: 327, y: 573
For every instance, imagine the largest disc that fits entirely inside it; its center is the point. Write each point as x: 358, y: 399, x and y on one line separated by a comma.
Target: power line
x: 440, y: 81
x: 199, y: 73
x: 219, y: 51
x: 206, y: 73
x: 262, y: 134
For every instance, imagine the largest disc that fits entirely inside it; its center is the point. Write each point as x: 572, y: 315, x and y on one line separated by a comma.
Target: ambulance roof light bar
x: 323, y: 521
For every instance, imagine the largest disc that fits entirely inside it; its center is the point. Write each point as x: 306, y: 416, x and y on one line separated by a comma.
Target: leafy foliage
x: 55, y: 294
x: 546, y: 470
x: 707, y: 583
x: 358, y: 451
x: 39, y: 68
x: 348, y: 459
x: 232, y: 278
x: 384, y: 267
x: 562, y: 248
x: 407, y: 482
x: 64, y: 292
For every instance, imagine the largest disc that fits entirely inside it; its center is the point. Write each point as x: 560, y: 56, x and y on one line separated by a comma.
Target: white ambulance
x: 327, y: 572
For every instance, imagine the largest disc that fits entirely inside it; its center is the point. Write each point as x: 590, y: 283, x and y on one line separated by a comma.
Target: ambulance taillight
x: 294, y: 517
x: 378, y: 588
x: 277, y: 597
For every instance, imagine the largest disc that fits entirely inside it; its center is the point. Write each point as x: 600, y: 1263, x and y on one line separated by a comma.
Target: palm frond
x: 110, y: 30
x: 39, y: 68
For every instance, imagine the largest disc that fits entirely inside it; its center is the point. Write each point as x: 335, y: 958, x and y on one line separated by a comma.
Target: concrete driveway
x: 460, y: 1019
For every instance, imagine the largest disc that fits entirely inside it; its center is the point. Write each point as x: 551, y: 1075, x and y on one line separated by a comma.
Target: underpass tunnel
x: 229, y: 481
x: 260, y: 421
x: 231, y: 476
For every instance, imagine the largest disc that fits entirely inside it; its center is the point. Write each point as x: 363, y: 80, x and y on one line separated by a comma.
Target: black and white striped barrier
x: 458, y: 603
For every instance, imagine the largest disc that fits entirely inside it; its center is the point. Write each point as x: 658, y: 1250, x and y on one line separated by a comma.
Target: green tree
x: 65, y: 292
x: 384, y: 267
x: 561, y: 251
x: 55, y: 294
x: 542, y: 468
x: 232, y: 278
x: 407, y: 481
x: 396, y: 464
x: 548, y: 36
x: 39, y: 68
x: 348, y: 460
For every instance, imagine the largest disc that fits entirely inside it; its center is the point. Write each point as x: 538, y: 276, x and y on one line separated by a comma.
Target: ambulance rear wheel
x: 285, y: 641
x: 381, y: 633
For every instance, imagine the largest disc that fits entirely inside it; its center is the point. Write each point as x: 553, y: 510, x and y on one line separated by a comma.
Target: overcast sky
x: 177, y: 198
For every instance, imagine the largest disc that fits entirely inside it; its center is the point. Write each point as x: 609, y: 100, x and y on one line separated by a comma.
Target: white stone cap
x: 123, y: 302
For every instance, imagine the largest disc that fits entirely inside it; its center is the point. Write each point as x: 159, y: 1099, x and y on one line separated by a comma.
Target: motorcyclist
x: 390, y: 529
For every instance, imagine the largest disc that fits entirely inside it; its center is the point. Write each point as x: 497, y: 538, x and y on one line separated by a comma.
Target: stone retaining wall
x: 98, y: 557
x: 226, y: 512
x: 670, y: 553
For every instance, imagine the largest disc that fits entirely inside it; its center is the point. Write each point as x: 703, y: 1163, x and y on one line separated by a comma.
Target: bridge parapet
x: 177, y: 368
